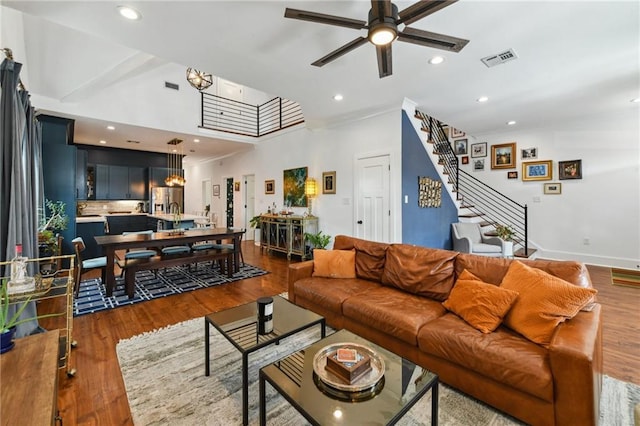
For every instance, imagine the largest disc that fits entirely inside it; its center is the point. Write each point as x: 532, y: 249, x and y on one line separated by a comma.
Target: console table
x: 30, y: 380
x: 286, y: 233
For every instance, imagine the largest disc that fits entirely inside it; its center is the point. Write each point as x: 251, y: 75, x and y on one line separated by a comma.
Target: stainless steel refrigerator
x: 165, y: 198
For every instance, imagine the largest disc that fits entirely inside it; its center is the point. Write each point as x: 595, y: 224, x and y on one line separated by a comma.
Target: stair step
x: 522, y: 254
x: 424, y: 129
x: 470, y: 215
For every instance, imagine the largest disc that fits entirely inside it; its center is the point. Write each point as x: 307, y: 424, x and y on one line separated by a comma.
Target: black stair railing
x: 480, y: 199
x: 231, y: 116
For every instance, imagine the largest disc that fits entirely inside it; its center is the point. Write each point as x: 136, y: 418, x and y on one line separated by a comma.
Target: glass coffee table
x: 402, y: 384
x: 239, y: 326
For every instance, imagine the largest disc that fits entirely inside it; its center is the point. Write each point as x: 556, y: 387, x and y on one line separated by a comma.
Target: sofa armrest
x: 575, y: 354
x: 496, y: 241
x: 298, y: 271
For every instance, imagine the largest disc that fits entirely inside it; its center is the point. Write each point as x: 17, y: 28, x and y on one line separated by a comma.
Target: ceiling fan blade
x: 340, y: 51
x: 427, y: 38
x: 385, y: 67
x: 322, y: 18
x: 381, y: 8
x: 421, y: 9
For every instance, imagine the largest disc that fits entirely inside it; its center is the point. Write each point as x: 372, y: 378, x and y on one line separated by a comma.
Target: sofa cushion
x: 480, y: 304
x: 330, y: 292
x: 334, y: 263
x: 503, y: 356
x: 393, y: 312
x: 420, y: 270
x: 544, y: 301
x: 370, y: 256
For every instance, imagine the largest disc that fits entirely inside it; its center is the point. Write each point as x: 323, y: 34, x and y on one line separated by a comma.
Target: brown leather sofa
x: 389, y: 304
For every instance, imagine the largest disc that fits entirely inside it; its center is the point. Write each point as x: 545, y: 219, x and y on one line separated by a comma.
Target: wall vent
x: 173, y: 86
x: 130, y: 141
x: 500, y: 58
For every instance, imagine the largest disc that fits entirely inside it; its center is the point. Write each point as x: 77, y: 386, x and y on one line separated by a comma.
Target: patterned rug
x: 93, y: 298
x: 625, y: 277
x: 163, y: 372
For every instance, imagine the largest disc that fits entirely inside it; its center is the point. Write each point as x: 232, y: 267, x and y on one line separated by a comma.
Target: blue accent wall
x: 427, y: 227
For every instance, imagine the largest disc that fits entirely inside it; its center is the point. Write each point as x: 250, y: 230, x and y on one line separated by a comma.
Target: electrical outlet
x: 104, y: 207
x: 586, y: 241
x: 536, y: 199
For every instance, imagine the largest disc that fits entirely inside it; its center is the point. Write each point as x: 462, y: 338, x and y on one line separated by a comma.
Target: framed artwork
x: 529, y: 153
x: 478, y: 149
x: 236, y: 186
x: 216, y: 190
x: 270, y: 186
x: 455, y: 133
x: 460, y: 146
x: 329, y: 182
x: 570, y: 169
x: 478, y: 165
x: 536, y: 170
x: 293, y: 187
x: 503, y: 156
x: 553, y: 188
x: 465, y: 159
x: 512, y: 175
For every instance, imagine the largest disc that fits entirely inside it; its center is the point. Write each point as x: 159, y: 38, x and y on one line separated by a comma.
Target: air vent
x: 500, y: 58
x: 173, y: 86
x: 130, y: 141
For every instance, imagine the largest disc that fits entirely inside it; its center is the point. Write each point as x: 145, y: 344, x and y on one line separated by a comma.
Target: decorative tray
x: 372, y: 381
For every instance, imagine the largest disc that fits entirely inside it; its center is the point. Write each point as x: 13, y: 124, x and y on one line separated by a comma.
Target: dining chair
x: 136, y: 253
x: 85, y: 265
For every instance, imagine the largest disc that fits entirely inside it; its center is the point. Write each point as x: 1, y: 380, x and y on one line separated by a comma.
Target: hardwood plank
x: 96, y: 396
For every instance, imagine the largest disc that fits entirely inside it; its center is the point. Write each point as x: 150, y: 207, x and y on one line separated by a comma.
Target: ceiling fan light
x: 199, y: 79
x: 382, y: 35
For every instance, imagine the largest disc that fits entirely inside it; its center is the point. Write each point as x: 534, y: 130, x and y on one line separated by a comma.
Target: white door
x: 373, y: 214
x: 249, y: 203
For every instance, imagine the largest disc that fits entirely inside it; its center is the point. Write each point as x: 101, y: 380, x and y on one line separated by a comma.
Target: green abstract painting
x: 294, y: 187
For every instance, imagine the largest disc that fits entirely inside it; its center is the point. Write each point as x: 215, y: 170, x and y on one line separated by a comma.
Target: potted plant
x: 506, y: 233
x: 50, y: 225
x: 256, y: 223
x: 317, y: 240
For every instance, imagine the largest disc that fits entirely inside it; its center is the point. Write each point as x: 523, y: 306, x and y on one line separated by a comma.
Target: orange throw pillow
x: 480, y: 304
x: 544, y: 301
x: 334, y: 263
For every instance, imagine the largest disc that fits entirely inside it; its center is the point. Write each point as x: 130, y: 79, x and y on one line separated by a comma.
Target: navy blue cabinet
x: 81, y: 175
x: 120, y: 182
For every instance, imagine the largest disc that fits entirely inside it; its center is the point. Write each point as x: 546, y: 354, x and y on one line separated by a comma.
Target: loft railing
x: 483, y: 201
x: 231, y: 116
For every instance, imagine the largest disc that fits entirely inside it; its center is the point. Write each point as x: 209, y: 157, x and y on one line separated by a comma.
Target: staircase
x: 476, y: 201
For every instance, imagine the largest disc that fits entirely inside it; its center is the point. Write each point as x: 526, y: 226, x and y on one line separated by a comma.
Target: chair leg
x: 76, y: 285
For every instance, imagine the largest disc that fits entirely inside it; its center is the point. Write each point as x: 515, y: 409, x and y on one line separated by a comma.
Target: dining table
x: 157, y: 240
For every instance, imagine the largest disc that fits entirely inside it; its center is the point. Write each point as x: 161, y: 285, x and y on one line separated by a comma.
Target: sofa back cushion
x: 420, y: 270
x: 334, y: 263
x: 493, y: 269
x: 370, y: 256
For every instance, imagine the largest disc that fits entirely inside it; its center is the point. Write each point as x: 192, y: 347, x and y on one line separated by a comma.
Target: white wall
x: 320, y: 151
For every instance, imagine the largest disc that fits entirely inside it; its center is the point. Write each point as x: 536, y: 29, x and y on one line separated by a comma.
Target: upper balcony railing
x: 228, y: 115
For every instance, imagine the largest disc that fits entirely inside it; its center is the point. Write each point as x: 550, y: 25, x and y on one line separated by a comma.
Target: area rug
x: 625, y: 277
x: 93, y: 298
x: 164, y: 377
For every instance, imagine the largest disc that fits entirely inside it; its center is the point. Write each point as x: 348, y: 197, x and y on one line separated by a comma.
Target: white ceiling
x: 576, y: 59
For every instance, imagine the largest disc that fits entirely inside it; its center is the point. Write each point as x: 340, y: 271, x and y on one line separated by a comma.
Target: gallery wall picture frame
x: 478, y: 150
x: 329, y: 182
x: 465, y: 159
x: 537, y: 170
x: 529, y: 153
x: 512, y: 175
x: 293, y: 187
x: 460, y: 146
x: 455, y: 133
x: 478, y: 165
x: 553, y: 188
x: 236, y: 186
x: 570, y: 169
x: 216, y: 190
x: 270, y: 186
x: 503, y: 156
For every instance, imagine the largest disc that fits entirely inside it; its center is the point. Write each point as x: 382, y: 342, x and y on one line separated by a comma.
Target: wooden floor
x: 96, y: 395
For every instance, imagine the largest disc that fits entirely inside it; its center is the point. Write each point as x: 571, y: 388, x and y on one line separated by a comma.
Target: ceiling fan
x: 382, y: 26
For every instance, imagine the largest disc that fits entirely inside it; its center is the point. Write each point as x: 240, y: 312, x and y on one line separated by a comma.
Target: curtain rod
x: 9, y: 54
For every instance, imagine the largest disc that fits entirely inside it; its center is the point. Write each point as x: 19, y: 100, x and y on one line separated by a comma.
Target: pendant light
x: 199, y: 79
x: 174, y: 164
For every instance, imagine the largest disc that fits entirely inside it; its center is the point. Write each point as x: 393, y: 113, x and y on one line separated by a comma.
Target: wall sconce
x: 199, y: 79
x: 310, y: 190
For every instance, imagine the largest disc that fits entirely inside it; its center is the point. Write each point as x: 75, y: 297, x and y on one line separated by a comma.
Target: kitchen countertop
x: 161, y: 216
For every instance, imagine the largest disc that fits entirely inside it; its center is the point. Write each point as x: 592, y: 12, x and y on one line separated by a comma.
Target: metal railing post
x: 280, y: 100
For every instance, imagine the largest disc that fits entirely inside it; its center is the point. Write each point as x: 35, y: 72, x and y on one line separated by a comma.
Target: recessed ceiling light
x: 636, y: 100
x: 338, y: 97
x: 482, y: 99
x: 129, y: 13
x: 110, y: 128
x: 103, y: 142
x: 436, y: 60
x: 511, y: 123
x: 196, y: 140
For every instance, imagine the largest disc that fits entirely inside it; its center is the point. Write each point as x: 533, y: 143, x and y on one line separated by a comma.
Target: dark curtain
x: 21, y: 176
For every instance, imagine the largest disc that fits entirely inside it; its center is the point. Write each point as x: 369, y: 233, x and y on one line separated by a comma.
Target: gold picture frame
x: 553, y: 188
x: 270, y: 186
x: 537, y: 170
x: 329, y: 182
x: 503, y: 156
